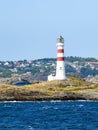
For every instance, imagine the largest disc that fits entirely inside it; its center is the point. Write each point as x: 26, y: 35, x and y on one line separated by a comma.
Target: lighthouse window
x: 60, y: 68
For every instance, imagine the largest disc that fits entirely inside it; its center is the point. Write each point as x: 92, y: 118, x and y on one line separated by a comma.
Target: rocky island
x: 70, y: 89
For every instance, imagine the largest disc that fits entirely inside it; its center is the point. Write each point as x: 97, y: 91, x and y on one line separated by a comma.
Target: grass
x: 51, y: 87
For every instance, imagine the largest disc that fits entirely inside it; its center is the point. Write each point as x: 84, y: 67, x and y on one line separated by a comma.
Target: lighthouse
x: 60, y: 67
x: 60, y: 64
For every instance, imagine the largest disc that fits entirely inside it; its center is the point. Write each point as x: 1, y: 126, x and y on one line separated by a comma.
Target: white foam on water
x: 46, y: 107
x: 31, y: 128
x: 55, y: 101
x: 55, y: 108
x: 81, y: 105
x: 6, y: 105
x: 11, y: 101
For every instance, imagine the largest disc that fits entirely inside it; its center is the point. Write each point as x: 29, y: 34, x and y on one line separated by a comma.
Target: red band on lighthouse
x: 60, y: 50
x: 60, y: 58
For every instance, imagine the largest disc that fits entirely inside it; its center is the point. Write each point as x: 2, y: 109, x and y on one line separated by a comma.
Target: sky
x: 29, y: 28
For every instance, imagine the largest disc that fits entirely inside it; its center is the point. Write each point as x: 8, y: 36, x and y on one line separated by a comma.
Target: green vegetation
x: 75, y: 66
x: 71, y: 89
x: 80, y: 59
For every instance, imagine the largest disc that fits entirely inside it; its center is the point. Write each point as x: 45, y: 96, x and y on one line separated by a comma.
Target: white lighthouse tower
x: 60, y: 67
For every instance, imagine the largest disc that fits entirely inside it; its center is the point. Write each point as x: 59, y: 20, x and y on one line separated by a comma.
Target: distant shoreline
x: 39, y: 97
x: 52, y: 101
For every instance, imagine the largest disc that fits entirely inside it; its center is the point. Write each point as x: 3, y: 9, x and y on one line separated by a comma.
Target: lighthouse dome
x: 60, y: 40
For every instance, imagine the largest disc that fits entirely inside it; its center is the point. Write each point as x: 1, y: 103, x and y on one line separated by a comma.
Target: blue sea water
x: 69, y: 115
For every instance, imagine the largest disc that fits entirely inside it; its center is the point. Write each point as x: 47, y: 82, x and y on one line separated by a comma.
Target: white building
x: 60, y: 66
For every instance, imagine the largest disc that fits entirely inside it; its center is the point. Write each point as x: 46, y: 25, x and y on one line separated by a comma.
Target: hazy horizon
x: 29, y: 29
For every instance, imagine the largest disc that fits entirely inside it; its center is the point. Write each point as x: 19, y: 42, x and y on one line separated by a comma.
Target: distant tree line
x: 36, y: 67
x: 71, y: 59
x: 80, y: 59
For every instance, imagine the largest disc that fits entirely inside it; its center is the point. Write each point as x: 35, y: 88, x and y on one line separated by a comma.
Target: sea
x: 58, y: 115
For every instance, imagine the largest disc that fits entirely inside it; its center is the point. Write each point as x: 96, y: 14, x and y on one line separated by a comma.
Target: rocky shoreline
x: 72, y: 89
x: 65, y: 97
